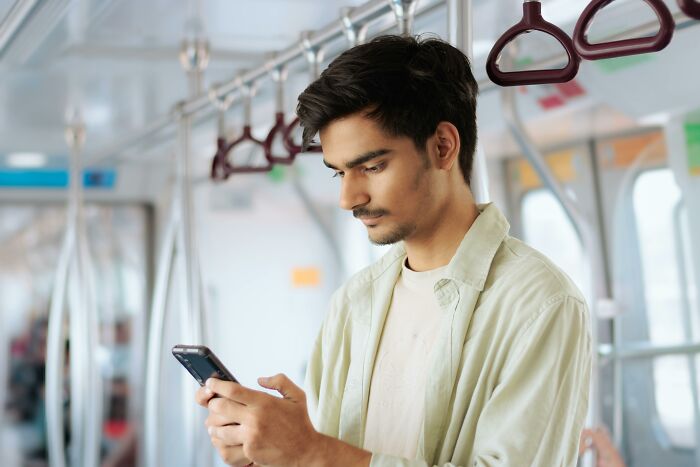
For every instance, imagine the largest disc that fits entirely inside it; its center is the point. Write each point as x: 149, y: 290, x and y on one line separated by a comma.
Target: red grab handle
x: 532, y: 21
x: 279, y: 127
x: 293, y: 148
x: 690, y: 8
x: 621, y: 48
x: 218, y: 165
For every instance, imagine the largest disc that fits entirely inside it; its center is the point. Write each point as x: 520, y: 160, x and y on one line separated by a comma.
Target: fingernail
x: 208, y: 391
x: 209, y: 383
x: 210, y: 430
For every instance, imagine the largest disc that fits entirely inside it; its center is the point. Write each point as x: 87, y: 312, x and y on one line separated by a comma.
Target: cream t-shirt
x: 395, y: 409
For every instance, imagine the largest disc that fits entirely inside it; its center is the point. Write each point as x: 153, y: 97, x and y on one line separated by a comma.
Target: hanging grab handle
x: 248, y: 91
x: 279, y: 76
x: 218, y: 165
x: 621, y: 48
x: 690, y: 8
x: 314, y: 56
x: 532, y: 21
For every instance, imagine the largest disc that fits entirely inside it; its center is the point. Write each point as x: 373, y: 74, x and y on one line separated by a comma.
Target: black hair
x: 408, y: 85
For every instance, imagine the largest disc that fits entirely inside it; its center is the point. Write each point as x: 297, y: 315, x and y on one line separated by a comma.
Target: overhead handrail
x: 623, y: 47
x: 248, y: 91
x: 532, y: 21
x: 279, y: 77
x: 314, y: 57
x: 222, y: 105
x: 117, y: 151
x: 75, y: 287
x: 690, y: 8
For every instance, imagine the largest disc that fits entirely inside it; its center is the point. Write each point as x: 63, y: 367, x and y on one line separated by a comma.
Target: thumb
x: 282, y: 384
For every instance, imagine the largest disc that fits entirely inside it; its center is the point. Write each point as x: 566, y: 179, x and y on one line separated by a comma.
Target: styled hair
x: 408, y: 85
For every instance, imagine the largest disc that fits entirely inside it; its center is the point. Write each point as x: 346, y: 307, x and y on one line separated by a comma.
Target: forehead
x: 346, y: 138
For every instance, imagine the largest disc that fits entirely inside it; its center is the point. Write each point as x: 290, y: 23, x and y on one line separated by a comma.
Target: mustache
x: 365, y: 212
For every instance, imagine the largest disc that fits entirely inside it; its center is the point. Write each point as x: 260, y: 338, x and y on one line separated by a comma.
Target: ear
x: 448, y: 144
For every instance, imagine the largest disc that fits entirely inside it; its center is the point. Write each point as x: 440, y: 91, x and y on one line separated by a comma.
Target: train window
x: 665, y: 257
x: 547, y: 229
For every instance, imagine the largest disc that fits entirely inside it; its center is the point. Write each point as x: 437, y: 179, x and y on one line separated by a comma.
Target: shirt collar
x: 472, y: 260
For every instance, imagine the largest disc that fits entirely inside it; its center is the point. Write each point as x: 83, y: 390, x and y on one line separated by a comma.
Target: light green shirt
x: 508, y: 378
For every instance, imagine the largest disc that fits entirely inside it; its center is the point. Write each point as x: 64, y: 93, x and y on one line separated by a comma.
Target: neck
x: 436, y: 247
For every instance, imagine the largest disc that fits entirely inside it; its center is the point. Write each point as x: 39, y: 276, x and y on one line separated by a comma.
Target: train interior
x: 100, y: 279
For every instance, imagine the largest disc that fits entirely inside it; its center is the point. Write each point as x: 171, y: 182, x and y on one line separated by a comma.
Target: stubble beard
x: 396, y: 235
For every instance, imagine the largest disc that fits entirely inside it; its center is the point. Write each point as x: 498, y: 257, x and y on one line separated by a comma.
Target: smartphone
x: 201, y: 362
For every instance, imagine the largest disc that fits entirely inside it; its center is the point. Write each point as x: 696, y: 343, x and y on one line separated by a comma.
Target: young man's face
x: 385, y: 180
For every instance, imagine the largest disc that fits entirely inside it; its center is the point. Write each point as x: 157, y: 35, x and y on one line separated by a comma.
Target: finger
x: 233, y: 391
x: 203, y: 395
x: 228, y: 411
x: 216, y: 420
x: 230, y: 435
x: 285, y: 386
x: 231, y: 455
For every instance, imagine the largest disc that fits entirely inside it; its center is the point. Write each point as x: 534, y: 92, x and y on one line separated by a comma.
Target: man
x: 461, y: 346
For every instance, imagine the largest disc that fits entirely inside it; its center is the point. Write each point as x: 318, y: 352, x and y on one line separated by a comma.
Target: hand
x: 247, y: 425
x: 599, y: 441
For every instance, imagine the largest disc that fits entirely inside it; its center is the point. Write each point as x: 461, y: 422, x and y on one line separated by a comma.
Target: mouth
x: 371, y: 221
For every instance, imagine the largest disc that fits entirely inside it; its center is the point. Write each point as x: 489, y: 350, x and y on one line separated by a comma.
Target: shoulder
x: 523, y: 284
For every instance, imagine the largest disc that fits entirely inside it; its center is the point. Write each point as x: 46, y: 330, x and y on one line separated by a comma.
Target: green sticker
x: 277, y: 174
x: 613, y: 65
x: 692, y: 143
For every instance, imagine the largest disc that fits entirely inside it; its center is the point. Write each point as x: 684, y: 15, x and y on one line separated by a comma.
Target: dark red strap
x: 532, y: 21
x: 218, y: 164
x: 621, y: 48
x: 228, y: 168
x: 292, y: 147
x: 690, y: 8
x: 279, y: 128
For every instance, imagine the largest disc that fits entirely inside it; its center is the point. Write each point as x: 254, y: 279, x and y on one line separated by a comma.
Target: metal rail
x: 363, y: 14
x: 644, y: 350
x: 369, y: 12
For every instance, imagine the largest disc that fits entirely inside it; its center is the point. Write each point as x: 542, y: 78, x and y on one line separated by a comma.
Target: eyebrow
x: 360, y: 159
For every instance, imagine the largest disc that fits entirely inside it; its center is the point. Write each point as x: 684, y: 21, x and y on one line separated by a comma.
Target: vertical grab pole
x: 87, y: 320
x: 582, y: 226
x: 405, y: 11
x: 687, y: 320
x: 194, y: 58
x: 459, y: 29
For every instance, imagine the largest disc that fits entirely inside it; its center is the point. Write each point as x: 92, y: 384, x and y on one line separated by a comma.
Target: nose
x: 352, y: 194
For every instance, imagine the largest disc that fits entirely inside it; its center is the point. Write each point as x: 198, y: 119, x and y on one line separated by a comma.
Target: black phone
x: 201, y: 362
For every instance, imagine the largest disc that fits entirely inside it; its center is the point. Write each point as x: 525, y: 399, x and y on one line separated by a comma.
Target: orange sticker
x: 306, y: 277
x: 626, y: 150
x: 561, y: 163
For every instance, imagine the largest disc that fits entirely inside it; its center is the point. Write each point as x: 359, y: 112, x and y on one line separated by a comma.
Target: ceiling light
x: 26, y: 160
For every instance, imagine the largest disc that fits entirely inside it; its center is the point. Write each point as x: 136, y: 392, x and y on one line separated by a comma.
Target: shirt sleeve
x: 536, y: 413
x: 312, y: 381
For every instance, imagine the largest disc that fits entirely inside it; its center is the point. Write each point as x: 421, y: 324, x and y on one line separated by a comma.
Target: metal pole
x: 156, y: 327
x: 687, y: 322
x: 580, y: 224
x: 459, y: 31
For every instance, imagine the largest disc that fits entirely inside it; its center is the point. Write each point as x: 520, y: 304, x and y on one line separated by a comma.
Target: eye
x: 374, y: 169
x: 338, y: 174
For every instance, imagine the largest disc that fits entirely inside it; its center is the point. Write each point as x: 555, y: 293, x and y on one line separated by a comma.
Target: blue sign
x: 55, y: 178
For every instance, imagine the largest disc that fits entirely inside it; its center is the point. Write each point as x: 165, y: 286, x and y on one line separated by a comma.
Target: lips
x: 370, y: 221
